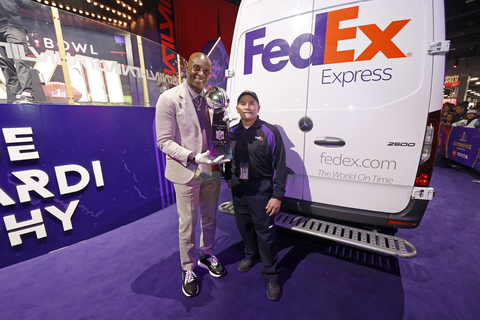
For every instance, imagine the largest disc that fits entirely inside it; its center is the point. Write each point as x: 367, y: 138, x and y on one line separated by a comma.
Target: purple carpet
x: 133, y: 272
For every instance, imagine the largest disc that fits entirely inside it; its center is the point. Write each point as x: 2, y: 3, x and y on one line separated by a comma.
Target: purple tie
x: 208, y: 125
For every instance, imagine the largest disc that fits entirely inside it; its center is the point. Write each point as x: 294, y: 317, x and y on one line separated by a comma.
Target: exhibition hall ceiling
x: 462, y: 19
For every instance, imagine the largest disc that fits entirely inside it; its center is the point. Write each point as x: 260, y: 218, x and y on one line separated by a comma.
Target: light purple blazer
x: 178, y: 133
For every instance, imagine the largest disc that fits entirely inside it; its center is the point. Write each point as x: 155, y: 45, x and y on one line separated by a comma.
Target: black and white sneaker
x: 212, y: 265
x: 189, y: 286
x: 25, y: 97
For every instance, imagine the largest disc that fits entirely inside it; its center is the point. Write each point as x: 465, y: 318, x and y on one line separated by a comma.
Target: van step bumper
x: 367, y: 240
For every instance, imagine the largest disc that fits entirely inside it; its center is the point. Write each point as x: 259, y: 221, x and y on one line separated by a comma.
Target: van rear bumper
x: 408, y: 218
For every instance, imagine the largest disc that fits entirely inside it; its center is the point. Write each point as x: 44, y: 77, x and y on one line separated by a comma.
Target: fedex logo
x: 324, y: 41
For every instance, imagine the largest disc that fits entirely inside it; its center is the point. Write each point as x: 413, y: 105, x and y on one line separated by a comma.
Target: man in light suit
x: 183, y: 125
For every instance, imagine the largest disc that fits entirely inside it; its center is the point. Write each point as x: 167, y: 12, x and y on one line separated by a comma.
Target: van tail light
x: 429, y: 150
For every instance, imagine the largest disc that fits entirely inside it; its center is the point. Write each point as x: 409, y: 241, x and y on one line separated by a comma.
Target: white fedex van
x: 356, y: 88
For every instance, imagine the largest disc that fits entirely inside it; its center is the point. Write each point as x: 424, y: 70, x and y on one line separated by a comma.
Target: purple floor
x: 133, y: 272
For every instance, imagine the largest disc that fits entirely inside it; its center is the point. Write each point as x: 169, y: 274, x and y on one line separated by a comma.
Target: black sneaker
x: 245, y: 265
x: 189, y: 286
x: 274, y: 291
x: 212, y: 265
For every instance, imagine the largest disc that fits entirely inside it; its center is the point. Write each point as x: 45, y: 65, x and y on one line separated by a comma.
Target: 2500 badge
x: 401, y: 144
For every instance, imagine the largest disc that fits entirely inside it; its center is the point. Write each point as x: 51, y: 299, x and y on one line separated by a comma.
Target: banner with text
x: 70, y: 173
x: 463, y: 146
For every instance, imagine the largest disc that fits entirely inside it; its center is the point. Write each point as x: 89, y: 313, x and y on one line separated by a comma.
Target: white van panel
x: 273, y: 87
x: 438, y: 21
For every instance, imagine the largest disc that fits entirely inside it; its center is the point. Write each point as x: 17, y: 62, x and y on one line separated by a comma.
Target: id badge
x: 244, y: 171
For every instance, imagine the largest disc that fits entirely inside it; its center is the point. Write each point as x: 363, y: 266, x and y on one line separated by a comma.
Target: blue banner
x: 69, y: 173
x: 463, y: 145
x: 216, y: 52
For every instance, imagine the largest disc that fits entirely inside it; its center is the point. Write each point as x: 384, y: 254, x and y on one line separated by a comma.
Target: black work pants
x: 254, y: 224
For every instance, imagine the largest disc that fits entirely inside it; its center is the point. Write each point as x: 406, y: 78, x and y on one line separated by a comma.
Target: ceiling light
x: 473, y: 79
x: 456, y: 63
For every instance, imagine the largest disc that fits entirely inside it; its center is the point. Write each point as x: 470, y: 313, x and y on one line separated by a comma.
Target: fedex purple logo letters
x: 324, y: 41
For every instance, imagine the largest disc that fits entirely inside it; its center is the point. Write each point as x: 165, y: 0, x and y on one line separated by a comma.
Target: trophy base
x: 219, y: 151
x: 219, y: 140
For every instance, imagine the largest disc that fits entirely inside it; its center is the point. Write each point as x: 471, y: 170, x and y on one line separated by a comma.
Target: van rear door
x: 368, y: 101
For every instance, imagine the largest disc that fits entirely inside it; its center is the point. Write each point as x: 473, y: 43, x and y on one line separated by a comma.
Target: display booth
x: 82, y: 159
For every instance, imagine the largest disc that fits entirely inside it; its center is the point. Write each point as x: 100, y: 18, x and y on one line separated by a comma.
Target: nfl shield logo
x: 219, y: 134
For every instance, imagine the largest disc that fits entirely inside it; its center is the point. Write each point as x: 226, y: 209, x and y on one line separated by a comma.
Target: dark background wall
x: 196, y: 22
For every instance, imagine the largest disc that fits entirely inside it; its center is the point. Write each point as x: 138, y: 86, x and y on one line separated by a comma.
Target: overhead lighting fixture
x: 473, y: 79
x: 456, y: 63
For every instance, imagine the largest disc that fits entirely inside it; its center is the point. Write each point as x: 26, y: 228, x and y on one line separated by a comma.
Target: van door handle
x: 329, y: 142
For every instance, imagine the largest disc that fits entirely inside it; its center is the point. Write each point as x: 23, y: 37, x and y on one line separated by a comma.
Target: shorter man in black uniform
x: 257, y: 176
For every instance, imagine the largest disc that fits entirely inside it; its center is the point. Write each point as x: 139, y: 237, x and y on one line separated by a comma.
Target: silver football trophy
x: 218, y: 101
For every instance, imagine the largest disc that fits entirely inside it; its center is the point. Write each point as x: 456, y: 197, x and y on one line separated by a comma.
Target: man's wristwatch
x: 189, y: 162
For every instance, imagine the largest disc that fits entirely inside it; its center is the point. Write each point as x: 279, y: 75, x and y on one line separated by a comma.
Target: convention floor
x: 133, y: 272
